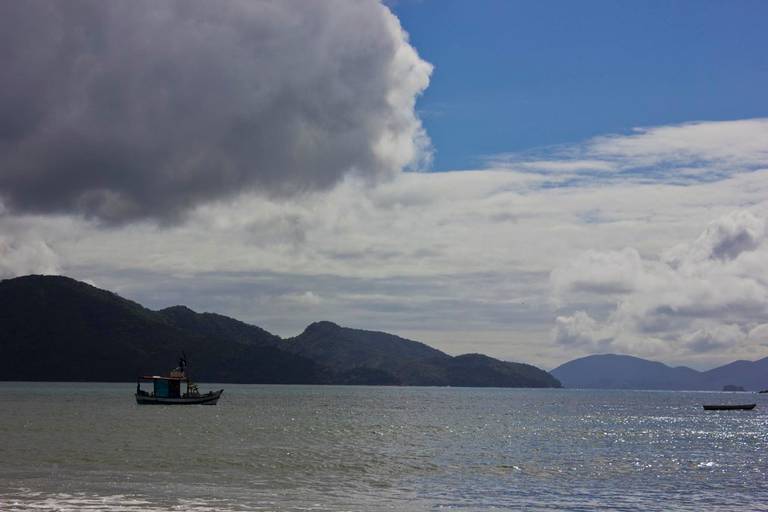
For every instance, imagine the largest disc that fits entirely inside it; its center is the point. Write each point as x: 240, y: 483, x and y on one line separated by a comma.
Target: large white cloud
x: 706, y: 295
x: 130, y: 110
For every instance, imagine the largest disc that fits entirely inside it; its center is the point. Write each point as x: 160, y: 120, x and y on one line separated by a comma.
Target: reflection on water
x: 90, y: 447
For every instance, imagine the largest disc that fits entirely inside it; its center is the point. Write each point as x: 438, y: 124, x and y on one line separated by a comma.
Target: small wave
x: 26, y: 501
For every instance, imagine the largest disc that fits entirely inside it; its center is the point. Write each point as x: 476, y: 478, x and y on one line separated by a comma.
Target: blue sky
x: 511, y: 76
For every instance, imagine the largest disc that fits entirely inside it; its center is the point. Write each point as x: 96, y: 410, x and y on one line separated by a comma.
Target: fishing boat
x: 736, y: 407
x: 167, y: 390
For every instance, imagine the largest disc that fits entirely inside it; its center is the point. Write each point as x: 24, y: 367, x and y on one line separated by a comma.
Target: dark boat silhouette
x: 167, y: 390
x: 736, y: 407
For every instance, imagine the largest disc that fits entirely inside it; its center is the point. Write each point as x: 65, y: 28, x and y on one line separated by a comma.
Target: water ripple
x: 378, y: 448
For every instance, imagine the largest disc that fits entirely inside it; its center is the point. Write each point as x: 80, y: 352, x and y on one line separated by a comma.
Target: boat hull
x: 206, y: 399
x: 739, y: 407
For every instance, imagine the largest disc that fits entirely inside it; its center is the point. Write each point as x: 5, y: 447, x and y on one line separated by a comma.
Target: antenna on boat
x: 183, y: 361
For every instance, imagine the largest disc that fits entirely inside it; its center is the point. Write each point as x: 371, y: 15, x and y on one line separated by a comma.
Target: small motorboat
x: 167, y: 390
x: 736, y: 407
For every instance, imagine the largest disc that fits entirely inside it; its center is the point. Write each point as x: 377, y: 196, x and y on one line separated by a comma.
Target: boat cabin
x: 172, y: 386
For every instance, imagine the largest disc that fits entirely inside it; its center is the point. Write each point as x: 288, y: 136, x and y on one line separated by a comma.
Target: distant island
x: 55, y: 328
x: 613, y: 371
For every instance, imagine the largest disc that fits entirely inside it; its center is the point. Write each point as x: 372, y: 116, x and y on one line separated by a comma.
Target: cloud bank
x: 683, y: 153
x: 703, y: 296
x: 144, y: 109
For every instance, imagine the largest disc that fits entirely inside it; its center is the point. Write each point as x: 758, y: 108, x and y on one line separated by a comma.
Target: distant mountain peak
x: 50, y: 280
x: 473, y: 356
x: 322, y: 324
x: 614, y: 371
x: 179, y: 308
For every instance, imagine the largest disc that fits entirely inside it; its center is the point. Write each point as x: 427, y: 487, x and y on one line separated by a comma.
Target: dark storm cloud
x: 133, y: 109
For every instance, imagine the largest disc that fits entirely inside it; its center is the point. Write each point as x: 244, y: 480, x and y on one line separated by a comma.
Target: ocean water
x: 90, y: 447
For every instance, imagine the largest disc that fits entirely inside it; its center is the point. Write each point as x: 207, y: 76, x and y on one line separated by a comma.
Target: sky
x: 535, y: 181
x: 525, y: 75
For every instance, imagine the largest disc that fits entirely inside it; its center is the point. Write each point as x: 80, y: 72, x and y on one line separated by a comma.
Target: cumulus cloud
x: 716, y: 337
x: 710, y: 294
x: 127, y: 110
x: 723, y: 239
x: 582, y: 330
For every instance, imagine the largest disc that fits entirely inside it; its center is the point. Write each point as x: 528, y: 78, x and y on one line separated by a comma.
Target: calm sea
x: 90, y: 447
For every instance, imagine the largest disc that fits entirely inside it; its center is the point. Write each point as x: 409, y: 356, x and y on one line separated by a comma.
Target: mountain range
x: 56, y: 328
x: 612, y: 371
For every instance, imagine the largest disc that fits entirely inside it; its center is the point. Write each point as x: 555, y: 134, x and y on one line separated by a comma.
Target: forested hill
x: 57, y: 328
